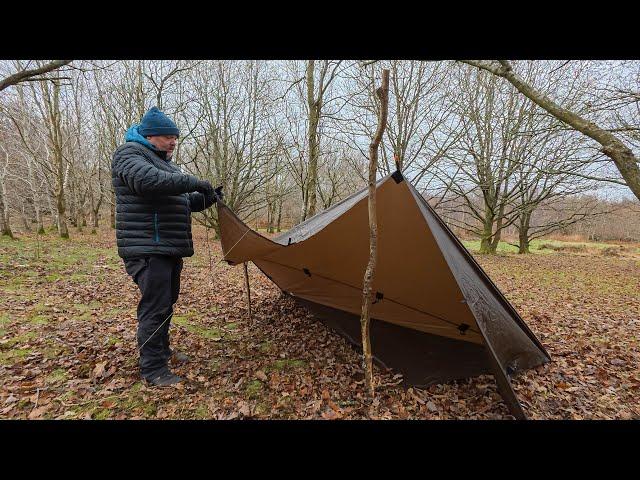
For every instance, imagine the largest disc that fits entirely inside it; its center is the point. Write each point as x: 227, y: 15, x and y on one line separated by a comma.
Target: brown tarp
x: 436, y: 316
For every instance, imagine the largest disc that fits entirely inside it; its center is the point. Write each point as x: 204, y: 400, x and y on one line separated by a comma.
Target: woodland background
x: 549, y: 210
x: 288, y: 139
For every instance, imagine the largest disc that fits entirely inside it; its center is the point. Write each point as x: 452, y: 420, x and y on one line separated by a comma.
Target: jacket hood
x: 133, y: 135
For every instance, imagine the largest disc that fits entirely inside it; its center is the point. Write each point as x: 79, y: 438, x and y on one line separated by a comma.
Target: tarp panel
x: 423, y: 359
x: 333, y: 294
x: 515, y: 347
x: 239, y: 242
x: 418, y: 288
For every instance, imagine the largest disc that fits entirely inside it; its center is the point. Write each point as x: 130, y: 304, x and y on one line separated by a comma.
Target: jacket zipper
x: 155, y: 226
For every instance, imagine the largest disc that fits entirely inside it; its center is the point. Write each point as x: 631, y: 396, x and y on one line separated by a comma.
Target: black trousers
x: 158, y: 278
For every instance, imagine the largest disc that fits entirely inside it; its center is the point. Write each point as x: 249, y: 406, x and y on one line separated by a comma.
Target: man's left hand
x: 218, y: 193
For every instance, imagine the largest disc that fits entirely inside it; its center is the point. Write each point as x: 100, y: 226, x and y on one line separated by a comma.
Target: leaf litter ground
x: 68, y: 322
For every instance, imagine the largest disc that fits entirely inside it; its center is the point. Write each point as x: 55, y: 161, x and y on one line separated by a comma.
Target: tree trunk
x: 487, y: 233
x: 270, y: 215
x: 365, y: 319
x: 624, y: 159
x: 112, y: 213
x: 26, y: 220
x: 63, y: 230
x: 496, y: 236
x: 314, y: 119
x: 52, y: 101
x: 278, y: 227
x: 95, y: 218
x: 5, y: 226
x: 39, y: 223
x: 523, y: 233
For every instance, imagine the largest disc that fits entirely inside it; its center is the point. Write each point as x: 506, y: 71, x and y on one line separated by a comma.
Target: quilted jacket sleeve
x: 199, y: 202
x: 143, y: 178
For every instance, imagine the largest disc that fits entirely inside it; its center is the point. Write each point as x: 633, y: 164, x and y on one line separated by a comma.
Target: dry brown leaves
x: 67, y: 341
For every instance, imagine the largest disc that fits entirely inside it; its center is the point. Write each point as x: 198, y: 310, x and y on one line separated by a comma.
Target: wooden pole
x: 365, y: 319
x: 248, y: 290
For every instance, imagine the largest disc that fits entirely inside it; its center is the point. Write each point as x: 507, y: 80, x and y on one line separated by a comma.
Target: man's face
x: 166, y: 143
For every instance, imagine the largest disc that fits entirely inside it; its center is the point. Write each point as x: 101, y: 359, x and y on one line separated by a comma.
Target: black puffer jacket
x: 153, y: 203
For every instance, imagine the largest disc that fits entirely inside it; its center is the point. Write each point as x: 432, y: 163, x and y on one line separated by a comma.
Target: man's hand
x: 214, y: 196
x: 204, y: 187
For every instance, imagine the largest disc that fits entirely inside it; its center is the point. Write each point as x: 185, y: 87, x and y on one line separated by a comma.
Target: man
x: 154, y: 201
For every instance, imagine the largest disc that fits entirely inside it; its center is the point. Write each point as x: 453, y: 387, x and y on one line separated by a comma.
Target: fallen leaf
x: 38, y: 412
x: 98, y: 370
x: 245, y: 410
x: 6, y: 410
x: 334, y: 407
x: 330, y: 415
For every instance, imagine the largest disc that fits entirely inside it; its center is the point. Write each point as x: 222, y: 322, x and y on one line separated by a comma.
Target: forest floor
x: 68, y: 350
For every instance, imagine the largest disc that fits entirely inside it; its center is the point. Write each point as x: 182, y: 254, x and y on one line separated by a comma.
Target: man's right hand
x: 204, y: 187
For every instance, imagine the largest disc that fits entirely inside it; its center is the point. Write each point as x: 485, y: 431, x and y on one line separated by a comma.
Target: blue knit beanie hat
x: 155, y: 122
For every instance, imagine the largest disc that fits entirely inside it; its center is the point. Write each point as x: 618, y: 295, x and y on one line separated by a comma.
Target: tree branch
x: 27, y: 74
x: 612, y: 147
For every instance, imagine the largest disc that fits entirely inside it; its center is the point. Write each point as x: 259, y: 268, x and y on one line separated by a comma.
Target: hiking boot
x: 164, y: 379
x: 179, y: 357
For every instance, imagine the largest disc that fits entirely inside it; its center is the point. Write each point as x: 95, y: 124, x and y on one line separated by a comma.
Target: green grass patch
x: 544, y: 246
x: 135, y: 402
x: 39, y: 320
x: 84, y: 310
x: 120, y: 312
x: 59, y: 375
x: 18, y: 339
x: 262, y: 409
x: 15, y: 283
x: 254, y: 389
x: 214, y: 365
x: 209, y: 333
x: 287, y: 364
x: 13, y: 356
x: 101, y: 414
x: 39, y: 307
x: 201, y: 412
x: 78, y: 277
x: 52, y: 352
x: 136, y: 387
x: 474, y: 246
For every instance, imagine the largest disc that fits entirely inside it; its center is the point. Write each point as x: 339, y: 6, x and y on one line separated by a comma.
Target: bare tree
x: 317, y: 79
x: 47, y: 100
x: 622, y: 156
x: 233, y: 143
x: 5, y: 226
x: 479, y: 168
